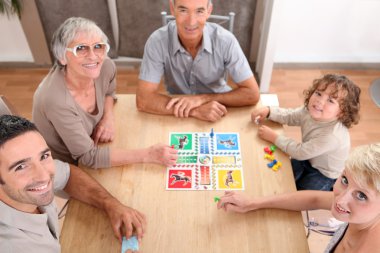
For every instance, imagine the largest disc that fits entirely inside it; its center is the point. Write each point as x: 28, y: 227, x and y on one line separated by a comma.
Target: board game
x: 206, y: 161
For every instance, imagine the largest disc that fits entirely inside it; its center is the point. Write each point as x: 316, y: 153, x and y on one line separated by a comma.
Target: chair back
x: 219, y: 19
x: 6, y: 107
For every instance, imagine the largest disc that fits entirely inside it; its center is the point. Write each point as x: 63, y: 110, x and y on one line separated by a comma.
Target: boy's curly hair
x: 347, y: 93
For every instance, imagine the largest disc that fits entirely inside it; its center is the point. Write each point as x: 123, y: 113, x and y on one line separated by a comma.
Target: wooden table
x: 187, y: 221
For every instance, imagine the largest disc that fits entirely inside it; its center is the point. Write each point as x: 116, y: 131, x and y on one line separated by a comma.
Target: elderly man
x: 28, y: 179
x: 194, y: 56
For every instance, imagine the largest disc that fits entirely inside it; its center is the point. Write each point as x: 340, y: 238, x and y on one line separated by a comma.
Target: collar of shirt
x: 177, y: 46
x: 21, y: 220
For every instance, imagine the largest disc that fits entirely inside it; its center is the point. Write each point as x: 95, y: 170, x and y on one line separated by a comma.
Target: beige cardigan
x: 67, y: 128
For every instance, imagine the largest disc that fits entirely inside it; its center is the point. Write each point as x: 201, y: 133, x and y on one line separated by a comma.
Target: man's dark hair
x: 12, y: 126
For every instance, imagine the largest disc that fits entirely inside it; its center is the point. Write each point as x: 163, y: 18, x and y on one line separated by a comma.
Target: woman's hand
x: 162, y: 154
x: 104, y: 131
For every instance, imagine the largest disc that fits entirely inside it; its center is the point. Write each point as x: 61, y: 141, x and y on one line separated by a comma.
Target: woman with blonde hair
x: 355, y: 201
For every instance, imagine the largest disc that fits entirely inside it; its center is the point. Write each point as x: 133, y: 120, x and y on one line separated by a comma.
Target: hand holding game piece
x: 257, y: 120
x: 260, y: 114
x: 236, y: 202
x: 130, y: 245
x: 161, y: 154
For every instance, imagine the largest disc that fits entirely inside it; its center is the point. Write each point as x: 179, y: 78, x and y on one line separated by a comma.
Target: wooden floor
x: 18, y: 85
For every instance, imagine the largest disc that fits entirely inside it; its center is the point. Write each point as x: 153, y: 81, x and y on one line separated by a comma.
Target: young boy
x: 331, y: 107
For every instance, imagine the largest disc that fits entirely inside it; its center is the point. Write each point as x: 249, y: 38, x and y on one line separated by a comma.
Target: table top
x: 187, y: 221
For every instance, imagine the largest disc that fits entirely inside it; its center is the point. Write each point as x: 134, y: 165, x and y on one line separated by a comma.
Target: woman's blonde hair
x: 364, y: 165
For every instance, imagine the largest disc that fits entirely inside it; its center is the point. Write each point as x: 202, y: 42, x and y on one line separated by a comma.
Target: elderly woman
x: 73, y: 106
x: 355, y: 200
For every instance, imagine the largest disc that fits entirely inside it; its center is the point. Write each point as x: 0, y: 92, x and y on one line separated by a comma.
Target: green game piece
x: 273, y: 148
x: 216, y: 199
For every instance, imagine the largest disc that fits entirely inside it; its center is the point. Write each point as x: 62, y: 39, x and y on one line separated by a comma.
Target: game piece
x: 216, y: 199
x: 129, y: 244
x: 257, y: 120
x: 276, y: 167
x: 205, y: 162
x: 271, y: 164
x: 269, y: 157
x: 273, y: 148
x: 267, y: 150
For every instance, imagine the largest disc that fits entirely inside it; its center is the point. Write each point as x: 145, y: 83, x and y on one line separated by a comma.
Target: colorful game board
x: 206, y: 161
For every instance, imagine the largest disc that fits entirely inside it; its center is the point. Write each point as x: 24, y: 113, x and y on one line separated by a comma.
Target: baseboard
x: 326, y: 65
x: 21, y: 64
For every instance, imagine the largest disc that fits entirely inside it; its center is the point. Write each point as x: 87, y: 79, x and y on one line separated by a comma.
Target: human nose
x: 343, y: 197
x: 40, y: 172
x: 192, y: 19
x: 91, y: 53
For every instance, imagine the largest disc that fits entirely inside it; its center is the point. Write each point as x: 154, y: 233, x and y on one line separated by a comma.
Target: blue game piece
x: 271, y: 164
x: 132, y: 244
x: 212, y: 132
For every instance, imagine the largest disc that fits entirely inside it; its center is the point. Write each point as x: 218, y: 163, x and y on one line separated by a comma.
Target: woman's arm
x: 105, y: 129
x: 295, y: 201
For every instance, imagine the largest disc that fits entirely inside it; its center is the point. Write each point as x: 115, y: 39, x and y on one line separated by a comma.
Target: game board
x: 206, y: 161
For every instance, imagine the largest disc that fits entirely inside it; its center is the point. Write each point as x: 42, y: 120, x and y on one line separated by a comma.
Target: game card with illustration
x: 206, y: 161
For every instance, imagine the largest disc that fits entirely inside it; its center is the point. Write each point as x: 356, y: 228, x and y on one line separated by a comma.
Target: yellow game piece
x: 269, y: 157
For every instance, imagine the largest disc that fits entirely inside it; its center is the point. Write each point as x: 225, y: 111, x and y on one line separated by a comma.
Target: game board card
x: 206, y: 161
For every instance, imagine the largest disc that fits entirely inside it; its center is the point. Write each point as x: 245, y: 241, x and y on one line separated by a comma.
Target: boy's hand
x: 266, y: 133
x: 260, y: 114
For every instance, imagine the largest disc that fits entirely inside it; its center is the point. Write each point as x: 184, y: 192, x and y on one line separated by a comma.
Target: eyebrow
x: 26, y: 159
x: 185, y: 8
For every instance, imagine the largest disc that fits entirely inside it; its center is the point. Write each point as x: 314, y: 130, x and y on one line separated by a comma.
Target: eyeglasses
x: 100, y: 49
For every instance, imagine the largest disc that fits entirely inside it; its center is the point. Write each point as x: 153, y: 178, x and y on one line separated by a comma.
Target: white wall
x: 336, y: 31
x: 13, y: 44
x: 310, y: 31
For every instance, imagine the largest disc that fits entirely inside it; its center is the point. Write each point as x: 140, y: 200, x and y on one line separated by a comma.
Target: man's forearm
x: 84, y: 188
x: 153, y: 103
x: 238, y: 97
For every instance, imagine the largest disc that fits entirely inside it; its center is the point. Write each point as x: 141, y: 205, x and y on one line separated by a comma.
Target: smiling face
x: 84, y: 67
x: 323, y: 105
x: 27, y: 172
x: 191, y: 17
x: 355, y: 204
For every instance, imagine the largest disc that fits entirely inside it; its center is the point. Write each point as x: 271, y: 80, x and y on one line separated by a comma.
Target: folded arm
x: 208, y: 107
x: 105, y: 129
